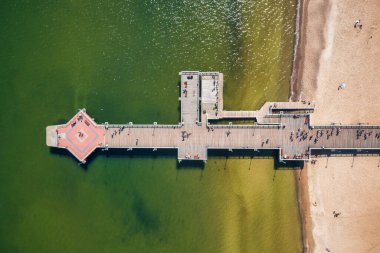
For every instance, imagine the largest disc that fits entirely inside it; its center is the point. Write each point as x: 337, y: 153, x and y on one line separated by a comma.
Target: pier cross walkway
x: 283, y: 126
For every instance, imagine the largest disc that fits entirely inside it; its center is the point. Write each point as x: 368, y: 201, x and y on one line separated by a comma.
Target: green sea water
x: 120, y: 60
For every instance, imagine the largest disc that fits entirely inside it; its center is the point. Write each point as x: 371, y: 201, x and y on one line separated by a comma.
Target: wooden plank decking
x: 283, y: 126
x: 294, y: 136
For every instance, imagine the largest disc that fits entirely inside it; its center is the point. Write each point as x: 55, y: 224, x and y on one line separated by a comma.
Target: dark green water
x: 121, y: 60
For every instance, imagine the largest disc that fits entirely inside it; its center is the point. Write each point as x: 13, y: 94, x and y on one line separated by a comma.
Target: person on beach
x: 357, y: 24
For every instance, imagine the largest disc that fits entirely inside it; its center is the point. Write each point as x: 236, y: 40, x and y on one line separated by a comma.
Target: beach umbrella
x: 343, y: 86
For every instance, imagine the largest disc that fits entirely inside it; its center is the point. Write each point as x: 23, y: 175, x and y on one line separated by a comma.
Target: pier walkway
x: 283, y: 126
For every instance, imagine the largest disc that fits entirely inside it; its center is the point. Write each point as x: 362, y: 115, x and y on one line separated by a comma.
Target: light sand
x: 332, y: 52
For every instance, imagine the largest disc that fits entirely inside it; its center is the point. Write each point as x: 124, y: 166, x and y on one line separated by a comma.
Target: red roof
x: 81, y: 136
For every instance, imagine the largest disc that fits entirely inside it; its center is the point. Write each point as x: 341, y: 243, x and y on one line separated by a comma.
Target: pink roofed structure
x: 81, y: 136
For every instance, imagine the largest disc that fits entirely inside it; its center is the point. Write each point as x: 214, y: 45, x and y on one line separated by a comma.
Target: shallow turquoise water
x: 121, y: 60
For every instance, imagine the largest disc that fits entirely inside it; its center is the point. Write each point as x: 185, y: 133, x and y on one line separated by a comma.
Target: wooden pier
x: 283, y: 126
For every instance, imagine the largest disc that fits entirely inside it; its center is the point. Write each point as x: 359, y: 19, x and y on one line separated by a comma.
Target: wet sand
x: 331, y: 52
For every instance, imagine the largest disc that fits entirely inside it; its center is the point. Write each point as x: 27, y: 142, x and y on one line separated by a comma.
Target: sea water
x: 120, y: 60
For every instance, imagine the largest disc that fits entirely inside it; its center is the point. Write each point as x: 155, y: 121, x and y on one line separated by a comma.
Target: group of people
x: 265, y: 142
x: 303, y: 135
x: 188, y: 156
x: 185, y: 135
x: 358, y: 24
x: 118, y: 131
x: 362, y: 132
x: 184, y: 91
x: 336, y: 214
x: 210, y: 128
x: 78, y: 119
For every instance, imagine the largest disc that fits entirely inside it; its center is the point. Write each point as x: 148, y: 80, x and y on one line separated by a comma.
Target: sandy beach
x: 331, y: 52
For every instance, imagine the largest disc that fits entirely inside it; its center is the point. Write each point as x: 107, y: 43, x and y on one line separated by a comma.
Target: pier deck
x: 283, y: 126
x: 190, y: 97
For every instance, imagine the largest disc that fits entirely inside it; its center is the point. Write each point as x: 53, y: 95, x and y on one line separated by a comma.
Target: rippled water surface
x: 120, y: 60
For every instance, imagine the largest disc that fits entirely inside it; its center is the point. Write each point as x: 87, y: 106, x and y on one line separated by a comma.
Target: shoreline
x: 296, y: 50
x: 295, y: 94
x: 298, y: 89
x: 299, y: 47
x: 303, y: 199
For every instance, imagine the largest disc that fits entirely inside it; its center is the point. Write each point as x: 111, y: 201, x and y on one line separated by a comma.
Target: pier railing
x: 143, y: 126
x: 243, y: 126
x: 361, y: 126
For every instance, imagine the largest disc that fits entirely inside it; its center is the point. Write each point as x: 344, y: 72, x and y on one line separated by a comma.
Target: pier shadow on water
x: 190, y: 164
x: 259, y: 154
x: 61, y: 121
x: 198, y: 164
x: 184, y: 164
x: 344, y: 152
